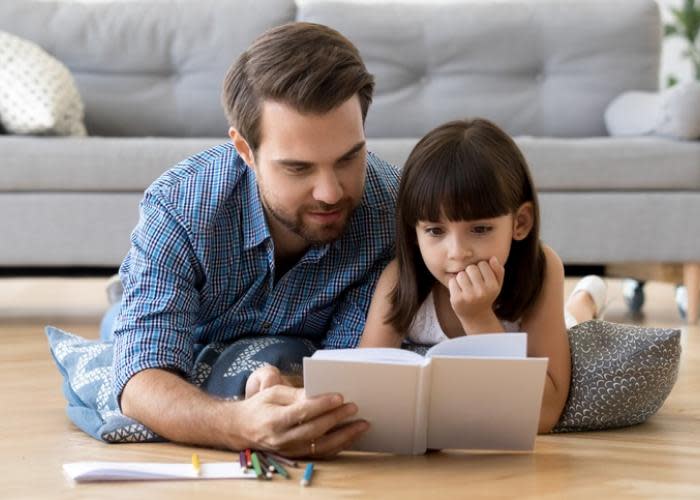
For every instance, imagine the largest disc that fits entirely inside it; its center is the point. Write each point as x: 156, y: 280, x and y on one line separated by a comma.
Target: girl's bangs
x: 445, y: 190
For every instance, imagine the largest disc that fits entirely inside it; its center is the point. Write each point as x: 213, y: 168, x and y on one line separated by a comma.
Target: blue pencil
x: 308, y: 472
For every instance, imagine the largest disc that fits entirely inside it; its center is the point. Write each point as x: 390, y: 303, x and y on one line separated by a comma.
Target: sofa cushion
x: 38, y: 92
x: 147, y: 68
x: 92, y: 164
x: 592, y: 164
x: 99, y: 164
x: 532, y: 67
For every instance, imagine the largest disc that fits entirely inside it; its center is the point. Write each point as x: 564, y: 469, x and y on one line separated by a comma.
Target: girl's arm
x: 377, y: 333
x: 547, y: 337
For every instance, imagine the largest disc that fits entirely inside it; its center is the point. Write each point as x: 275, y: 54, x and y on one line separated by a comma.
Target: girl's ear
x: 523, y: 221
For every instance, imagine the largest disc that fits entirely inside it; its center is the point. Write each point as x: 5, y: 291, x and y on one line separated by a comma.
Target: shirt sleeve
x: 350, y: 315
x: 161, y: 300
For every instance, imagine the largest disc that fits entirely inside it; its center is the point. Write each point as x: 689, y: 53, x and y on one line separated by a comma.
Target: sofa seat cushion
x: 131, y: 164
x: 91, y: 164
x: 593, y: 164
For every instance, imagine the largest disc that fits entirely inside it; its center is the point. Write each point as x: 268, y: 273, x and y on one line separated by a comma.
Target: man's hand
x: 474, y: 290
x: 281, y: 419
x: 278, y: 418
x: 262, y: 378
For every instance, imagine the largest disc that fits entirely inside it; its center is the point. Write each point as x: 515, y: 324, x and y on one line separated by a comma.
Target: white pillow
x: 673, y: 113
x: 37, y: 92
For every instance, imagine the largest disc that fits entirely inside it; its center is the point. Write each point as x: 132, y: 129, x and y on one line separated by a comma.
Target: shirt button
x: 266, y: 325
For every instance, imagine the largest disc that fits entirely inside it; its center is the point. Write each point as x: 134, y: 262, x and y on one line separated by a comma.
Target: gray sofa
x: 150, y: 74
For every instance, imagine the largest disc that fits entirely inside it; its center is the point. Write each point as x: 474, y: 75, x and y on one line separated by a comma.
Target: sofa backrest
x: 147, y: 68
x: 535, y: 67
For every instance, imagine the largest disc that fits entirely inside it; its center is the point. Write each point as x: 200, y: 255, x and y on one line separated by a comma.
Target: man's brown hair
x: 307, y: 66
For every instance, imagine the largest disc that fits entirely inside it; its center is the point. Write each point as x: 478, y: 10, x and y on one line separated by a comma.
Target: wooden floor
x: 659, y: 459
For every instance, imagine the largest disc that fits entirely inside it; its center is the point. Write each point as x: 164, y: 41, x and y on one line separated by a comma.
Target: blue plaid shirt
x: 200, y: 268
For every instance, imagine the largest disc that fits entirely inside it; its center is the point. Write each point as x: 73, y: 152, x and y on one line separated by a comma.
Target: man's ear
x: 242, y: 147
x: 523, y: 221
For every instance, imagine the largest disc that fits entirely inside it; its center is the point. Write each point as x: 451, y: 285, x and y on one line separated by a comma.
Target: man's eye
x: 297, y: 169
x: 347, y: 160
x: 481, y: 229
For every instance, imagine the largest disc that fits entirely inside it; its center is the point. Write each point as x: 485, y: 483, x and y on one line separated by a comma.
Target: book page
x: 492, y: 345
x: 371, y: 354
x: 385, y: 395
x: 485, y: 403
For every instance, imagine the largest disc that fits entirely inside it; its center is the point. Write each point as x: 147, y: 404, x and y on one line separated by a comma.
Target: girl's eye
x: 433, y: 231
x: 481, y: 229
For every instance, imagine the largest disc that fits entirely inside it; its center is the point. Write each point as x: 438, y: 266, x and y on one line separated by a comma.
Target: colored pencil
x: 278, y: 467
x: 242, y: 460
x: 248, y: 460
x: 256, y: 465
x: 265, y: 465
x: 283, y: 460
x: 308, y: 472
x: 196, y: 465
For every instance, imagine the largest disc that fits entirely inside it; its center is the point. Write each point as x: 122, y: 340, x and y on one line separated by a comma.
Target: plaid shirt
x: 201, y: 267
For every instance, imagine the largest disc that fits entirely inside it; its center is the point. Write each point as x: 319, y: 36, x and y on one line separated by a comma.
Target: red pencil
x: 248, y: 459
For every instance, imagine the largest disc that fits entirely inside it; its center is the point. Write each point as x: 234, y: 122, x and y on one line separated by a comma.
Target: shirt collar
x: 255, y: 229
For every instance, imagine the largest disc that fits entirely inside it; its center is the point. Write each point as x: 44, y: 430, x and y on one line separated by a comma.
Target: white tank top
x: 425, y: 328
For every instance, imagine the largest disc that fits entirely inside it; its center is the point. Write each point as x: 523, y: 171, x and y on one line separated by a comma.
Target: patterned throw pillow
x: 220, y: 369
x: 37, y: 92
x: 621, y: 374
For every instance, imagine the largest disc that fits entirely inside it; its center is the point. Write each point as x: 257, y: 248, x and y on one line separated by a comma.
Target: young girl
x: 469, y: 259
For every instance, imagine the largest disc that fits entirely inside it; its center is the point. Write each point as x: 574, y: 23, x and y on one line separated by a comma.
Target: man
x: 283, y: 231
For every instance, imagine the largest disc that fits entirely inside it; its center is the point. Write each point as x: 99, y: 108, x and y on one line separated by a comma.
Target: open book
x: 472, y: 392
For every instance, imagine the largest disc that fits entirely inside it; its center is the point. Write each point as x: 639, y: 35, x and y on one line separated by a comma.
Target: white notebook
x: 473, y: 392
x: 142, y: 471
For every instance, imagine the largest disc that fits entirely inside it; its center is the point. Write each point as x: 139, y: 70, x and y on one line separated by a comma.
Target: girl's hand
x: 474, y: 290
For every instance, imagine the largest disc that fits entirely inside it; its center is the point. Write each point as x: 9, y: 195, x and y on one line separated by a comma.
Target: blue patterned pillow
x: 220, y: 369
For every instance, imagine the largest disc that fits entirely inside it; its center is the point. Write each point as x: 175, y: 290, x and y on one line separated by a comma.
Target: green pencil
x: 256, y: 466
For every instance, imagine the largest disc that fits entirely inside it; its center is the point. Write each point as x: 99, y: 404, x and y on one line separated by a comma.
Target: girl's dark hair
x: 466, y: 170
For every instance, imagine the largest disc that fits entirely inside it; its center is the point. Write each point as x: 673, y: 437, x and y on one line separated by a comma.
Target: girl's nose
x: 459, y: 250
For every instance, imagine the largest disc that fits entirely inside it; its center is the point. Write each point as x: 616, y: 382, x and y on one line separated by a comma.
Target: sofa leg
x: 691, y: 280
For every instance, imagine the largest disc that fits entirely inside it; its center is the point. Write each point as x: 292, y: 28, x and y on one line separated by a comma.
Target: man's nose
x: 328, y: 188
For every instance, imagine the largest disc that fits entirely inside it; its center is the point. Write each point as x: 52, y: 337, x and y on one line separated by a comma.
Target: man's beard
x: 318, y: 235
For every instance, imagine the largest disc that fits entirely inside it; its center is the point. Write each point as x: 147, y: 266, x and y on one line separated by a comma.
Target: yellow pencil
x: 195, y: 463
